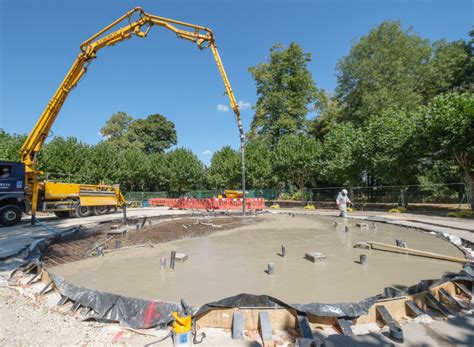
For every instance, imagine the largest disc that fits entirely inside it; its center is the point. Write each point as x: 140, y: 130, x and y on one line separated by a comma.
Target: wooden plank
x: 413, y: 309
x: 265, y: 326
x: 395, y: 330
x: 435, y: 304
x: 410, y: 251
x: 238, y: 326
x: 463, y: 289
x: 395, y: 306
x: 281, y: 319
x: 445, y: 296
x: 384, y: 315
x: 345, y: 326
x: 305, y: 329
x: 63, y: 300
x: 46, y: 288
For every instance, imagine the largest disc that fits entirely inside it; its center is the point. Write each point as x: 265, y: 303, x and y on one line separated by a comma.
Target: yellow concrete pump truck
x: 22, y: 191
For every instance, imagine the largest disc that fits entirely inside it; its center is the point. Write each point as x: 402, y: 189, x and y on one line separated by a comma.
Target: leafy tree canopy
x: 297, y: 158
x: 396, y: 68
x: 154, y: 134
x: 448, y: 130
x: 258, y: 163
x: 286, y: 93
x: 224, y: 171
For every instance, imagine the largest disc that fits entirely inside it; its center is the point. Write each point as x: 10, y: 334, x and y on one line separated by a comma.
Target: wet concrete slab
x: 234, y: 262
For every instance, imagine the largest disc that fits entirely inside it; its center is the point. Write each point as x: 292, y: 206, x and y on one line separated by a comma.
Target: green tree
x: 297, y: 159
x: 10, y: 146
x: 448, y: 131
x: 224, y: 171
x: 286, y: 93
x: 381, y: 71
x: 447, y: 69
x: 342, y: 155
x: 393, y: 68
x: 157, y: 172
x: 132, y: 169
x: 185, y: 169
x: 331, y: 113
x: 65, y: 158
x: 102, y: 164
x: 258, y: 161
x: 116, y: 126
x: 390, y: 146
x: 155, y: 133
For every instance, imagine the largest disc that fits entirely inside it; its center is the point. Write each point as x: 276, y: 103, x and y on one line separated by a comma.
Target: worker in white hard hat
x: 342, y: 200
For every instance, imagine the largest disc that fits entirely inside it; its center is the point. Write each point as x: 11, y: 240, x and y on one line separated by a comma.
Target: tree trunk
x: 464, y: 162
x: 470, y: 189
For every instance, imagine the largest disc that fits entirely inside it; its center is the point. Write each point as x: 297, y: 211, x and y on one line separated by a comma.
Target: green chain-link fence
x: 435, y: 194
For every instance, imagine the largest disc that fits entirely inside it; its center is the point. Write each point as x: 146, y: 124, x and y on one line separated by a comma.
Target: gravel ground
x: 24, y: 322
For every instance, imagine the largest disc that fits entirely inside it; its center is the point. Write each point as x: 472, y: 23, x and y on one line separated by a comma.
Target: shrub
x: 461, y: 214
x: 398, y: 209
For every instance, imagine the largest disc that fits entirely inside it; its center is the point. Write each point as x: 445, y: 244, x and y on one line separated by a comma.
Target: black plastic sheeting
x: 32, y: 252
x: 339, y: 310
x: 132, y: 312
x: 142, y: 314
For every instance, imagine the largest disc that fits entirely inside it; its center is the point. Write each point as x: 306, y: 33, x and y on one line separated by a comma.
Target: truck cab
x: 12, y: 192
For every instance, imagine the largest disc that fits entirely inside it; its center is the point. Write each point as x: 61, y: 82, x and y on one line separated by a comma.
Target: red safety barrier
x: 209, y: 204
x: 236, y: 204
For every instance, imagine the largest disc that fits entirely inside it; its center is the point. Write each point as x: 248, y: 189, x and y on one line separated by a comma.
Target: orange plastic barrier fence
x: 209, y: 204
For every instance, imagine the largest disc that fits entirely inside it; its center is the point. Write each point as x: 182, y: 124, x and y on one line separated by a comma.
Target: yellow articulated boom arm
x: 140, y: 27
x: 138, y: 23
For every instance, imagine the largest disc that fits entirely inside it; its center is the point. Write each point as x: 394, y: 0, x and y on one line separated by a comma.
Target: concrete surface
x: 462, y: 227
x: 16, y: 238
x: 24, y: 322
x: 234, y: 262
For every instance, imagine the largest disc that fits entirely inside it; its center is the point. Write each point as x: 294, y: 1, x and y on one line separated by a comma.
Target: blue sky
x: 39, y: 40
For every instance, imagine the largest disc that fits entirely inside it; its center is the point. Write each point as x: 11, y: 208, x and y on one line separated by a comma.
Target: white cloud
x: 207, y: 152
x: 222, y: 108
x: 243, y: 104
x: 103, y: 137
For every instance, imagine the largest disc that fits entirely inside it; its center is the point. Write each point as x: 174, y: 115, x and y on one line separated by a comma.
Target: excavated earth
x: 229, y: 256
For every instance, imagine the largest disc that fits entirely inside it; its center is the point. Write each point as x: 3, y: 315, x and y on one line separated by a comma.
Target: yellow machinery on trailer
x: 82, y: 199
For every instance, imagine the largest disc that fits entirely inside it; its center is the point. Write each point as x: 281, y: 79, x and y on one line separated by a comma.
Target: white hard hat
x: 344, y: 191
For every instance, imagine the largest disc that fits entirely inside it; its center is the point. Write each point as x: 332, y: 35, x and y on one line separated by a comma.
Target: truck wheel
x: 101, y: 210
x: 10, y: 215
x: 62, y: 214
x: 82, y: 211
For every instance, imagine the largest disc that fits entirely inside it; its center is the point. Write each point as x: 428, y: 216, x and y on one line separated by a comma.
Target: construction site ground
x: 24, y: 320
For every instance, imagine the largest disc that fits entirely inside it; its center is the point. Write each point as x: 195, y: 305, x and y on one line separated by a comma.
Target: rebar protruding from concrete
x: 270, y: 268
x: 346, y: 228
x: 118, y: 244
x: 374, y: 226
x: 401, y: 243
x: 100, y: 250
x: 336, y: 224
x: 283, y: 251
x: 142, y: 225
x: 162, y: 263
x: 363, y: 259
x: 172, y: 259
